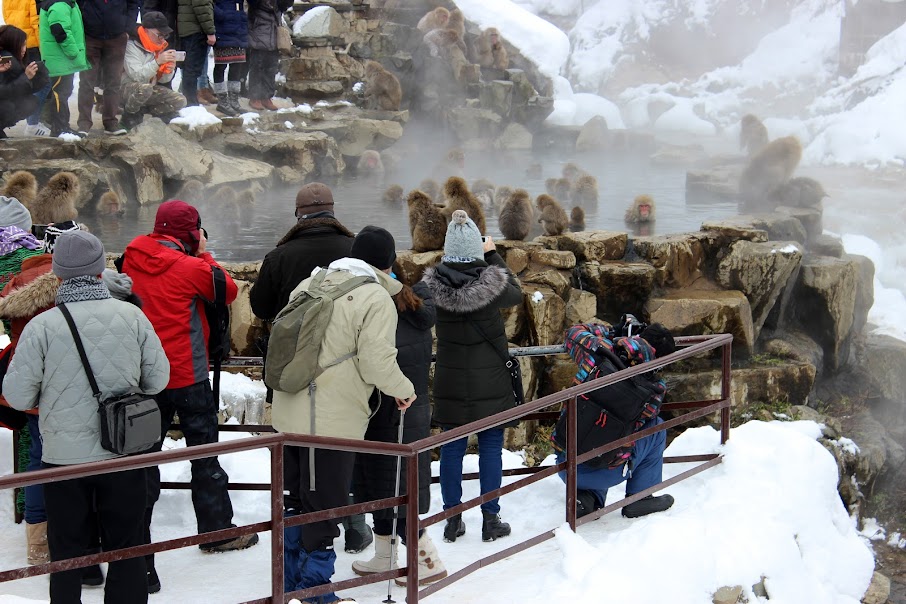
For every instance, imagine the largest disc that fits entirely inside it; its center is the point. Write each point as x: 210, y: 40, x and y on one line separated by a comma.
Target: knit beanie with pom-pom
x: 463, y: 242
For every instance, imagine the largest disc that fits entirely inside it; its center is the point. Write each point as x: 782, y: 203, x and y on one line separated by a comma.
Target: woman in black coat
x: 18, y: 82
x: 471, y: 381
x: 375, y: 476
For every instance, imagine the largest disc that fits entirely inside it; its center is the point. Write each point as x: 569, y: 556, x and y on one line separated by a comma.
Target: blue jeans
x: 645, y: 467
x: 203, y: 81
x: 34, y: 495
x: 196, y: 48
x: 490, y: 468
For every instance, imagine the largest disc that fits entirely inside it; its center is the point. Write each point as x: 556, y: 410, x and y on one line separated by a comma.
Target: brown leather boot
x: 269, y: 104
x: 206, y: 96
x: 36, y: 540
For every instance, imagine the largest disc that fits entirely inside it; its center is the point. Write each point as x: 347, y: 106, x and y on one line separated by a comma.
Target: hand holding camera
x: 167, y: 56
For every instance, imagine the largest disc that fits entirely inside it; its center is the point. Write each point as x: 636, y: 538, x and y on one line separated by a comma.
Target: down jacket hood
x: 465, y: 288
x: 27, y: 301
x: 156, y: 254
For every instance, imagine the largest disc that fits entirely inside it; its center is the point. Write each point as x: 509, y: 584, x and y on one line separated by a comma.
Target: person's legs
x: 490, y: 466
x: 234, y: 85
x: 647, y: 460
x: 592, y: 484
x: 120, y: 500
x: 60, y: 91
x: 34, y: 54
x: 451, y: 455
x: 152, y: 474
x: 113, y: 57
x: 88, y: 80
x: 69, y: 512
x: 164, y: 102
x: 196, y: 48
x: 220, y: 90
x: 34, y: 495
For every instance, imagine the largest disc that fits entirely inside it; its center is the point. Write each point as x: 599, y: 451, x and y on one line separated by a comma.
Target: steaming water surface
x: 248, y: 234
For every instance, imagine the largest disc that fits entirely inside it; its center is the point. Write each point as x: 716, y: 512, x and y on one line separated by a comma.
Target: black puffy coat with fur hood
x: 470, y: 379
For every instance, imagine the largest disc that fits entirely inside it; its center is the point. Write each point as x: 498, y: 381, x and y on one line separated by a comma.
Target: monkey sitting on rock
x: 515, y: 216
x: 799, y: 192
x: 489, y: 50
x: 427, y: 224
x: 753, y: 136
x: 55, y: 202
x: 641, y: 210
x: 768, y: 169
x: 435, y: 19
x: 382, y: 88
x: 553, y: 217
x: 458, y: 197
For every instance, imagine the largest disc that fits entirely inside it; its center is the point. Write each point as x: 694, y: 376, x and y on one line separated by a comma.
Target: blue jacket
x: 231, y: 23
x: 107, y: 19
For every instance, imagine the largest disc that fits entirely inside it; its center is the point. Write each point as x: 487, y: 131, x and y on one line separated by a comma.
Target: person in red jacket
x: 171, y: 272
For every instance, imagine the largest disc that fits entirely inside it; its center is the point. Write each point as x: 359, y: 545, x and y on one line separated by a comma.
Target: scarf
x: 457, y: 259
x: 80, y: 289
x: 13, y: 238
x: 150, y: 46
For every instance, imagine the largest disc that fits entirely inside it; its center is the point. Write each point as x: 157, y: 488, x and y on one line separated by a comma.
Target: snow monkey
x: 370, y: 163
x: 557, y: 187
x: 393, y: 194
x: 585, y: 189
x: 799, y: 192
x: 489, y: 50
x: 110, y: 205
x: 767, y: 170
x: 430, y: 188
x: 577, y: 219
x: 515, y: 220
x: 501, y: 196
x: 553, y: 217
x: 23, y: 186
x: 55, y: 201
x: 753, y: 136
x: 427, y: 225
x: 484, y: 189
x: 457, y: 22
x: 382, y: 88
x: 435, y: 19
x: 641, y: 210
x: 447, y: 44
x: 458, y: 197
x: 191, y: 192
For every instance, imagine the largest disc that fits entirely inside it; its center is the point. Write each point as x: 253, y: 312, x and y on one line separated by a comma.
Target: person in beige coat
x: 364, y: 323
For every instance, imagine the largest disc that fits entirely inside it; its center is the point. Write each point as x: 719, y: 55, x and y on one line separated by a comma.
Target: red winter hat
x: 180, y: 220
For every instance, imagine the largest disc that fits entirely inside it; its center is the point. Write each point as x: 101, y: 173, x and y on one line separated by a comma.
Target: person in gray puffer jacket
x: 126, y: 356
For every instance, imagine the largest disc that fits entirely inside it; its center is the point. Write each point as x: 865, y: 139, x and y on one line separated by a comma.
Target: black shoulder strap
x: 505, y: 358
x: 219, y: 285
x: 81, y: 349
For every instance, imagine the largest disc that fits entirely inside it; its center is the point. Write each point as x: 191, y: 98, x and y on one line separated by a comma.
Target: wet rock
x: 878, y: 591
x: 515, y: 136
x: 145, y: 172
x: 471, y: 123
x: 589, y: 246
x: 824, y: 304
x: 865, y: 290
x: 303, y: 152
x: 620, y: 287
x: 545, y: 317
x: 878, y: 451
x: 672, y: 155
x: 884, y: 358
x: 761, y: 271
x: 227, y: 169
x: 593, y: 135
x: 412, y: 264
x: 496, y: 96
x: 826, y: 245
x: 581, y: 308
x: 809, y: 218
x: 776, y: 227
x: 678, y: 259
x: 557, y: 259
x: 687, y: 312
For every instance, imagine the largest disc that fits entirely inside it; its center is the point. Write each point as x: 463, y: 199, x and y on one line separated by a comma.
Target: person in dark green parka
x: 62, y: 40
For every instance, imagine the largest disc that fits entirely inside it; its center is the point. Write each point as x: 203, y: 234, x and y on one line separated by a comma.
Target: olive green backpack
x: 297, y: 333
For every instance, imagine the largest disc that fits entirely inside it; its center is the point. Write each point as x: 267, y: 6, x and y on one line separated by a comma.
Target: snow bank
x: 889, y: 308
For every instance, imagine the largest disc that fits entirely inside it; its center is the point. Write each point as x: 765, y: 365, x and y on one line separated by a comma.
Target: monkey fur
x: 435, y: 19
x: 447, y: 44
x: 483, y: 184
x: 382, y: 88
x: 458, y: 197
x: 191, y: 192
x: 767, y: 170
x: 489, y: 50
x: 23, y: 186
x: 427, y: 225
x: 110, y: 205
x: 799, y: 192
x: 557, y: 187
x: 553, y: 217
x: 431, y: 188
x: 641, y: 210
x: 55, y: 202
x: 393, y: 194
x: 753, y: 136
x: 501, y: 196
x: 585, y: 189
x: 457, y: 22
x: 515, y: 219
x: 577, y: 219
x: 370, y: 163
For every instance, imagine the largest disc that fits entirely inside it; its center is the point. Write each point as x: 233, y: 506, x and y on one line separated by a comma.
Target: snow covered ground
x: 755, y: 515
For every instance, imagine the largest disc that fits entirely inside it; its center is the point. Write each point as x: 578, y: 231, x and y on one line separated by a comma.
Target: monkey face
x: 644, y: 210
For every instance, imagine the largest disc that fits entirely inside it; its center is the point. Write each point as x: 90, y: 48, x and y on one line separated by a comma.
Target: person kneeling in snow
x: 614, y: 412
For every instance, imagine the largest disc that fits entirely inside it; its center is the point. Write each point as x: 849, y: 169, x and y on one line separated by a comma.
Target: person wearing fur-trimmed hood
x: 471, y: 382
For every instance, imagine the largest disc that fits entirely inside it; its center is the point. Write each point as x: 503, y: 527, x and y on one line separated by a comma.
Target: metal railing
x: 275, y: 442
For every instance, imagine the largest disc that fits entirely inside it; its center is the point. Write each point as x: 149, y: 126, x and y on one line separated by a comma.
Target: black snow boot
x: 492, y: 527
x: 358, y: 534
x: 455, y: 528
x: 92, y: 576
x: 648, y: 505
x: 586, y: 503
x: 153, y: 582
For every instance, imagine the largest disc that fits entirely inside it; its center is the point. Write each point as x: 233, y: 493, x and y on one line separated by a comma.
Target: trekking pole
x: 396, y: 509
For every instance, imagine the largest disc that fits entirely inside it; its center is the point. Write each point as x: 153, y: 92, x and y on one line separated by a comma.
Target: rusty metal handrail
x: 276, y: 442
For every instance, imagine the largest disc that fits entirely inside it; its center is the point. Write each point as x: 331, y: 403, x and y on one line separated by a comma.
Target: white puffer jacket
x: 124, y: 352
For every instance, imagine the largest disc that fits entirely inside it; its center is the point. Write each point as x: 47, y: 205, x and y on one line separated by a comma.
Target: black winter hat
x: 660, y: 339
x: 375, y: 246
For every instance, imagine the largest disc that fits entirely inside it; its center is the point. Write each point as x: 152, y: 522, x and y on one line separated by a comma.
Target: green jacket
x: 195, y: 17
x: 62, y: 37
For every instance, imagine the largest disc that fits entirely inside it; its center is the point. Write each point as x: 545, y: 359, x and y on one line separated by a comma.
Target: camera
x: 629, y: 326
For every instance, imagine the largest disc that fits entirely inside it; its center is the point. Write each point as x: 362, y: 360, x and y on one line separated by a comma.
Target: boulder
x: 546, y: 318
x: 810, y: 219
x: 884, y: 358
x: 581, y: 308
x: 593, y: 135
x: 182, y: 159
x: 563, y: 260
x: 245, y: 327
x: 620, y: 287
x: 93, y: 179
x: 678, y: 259
x: 308, y: 90
x: 788, y: 381
x: 878, y: 591
x: 146, y: 174
x: 865, y: 290
x: 559, y: 281
x: 238, y: 170
x: 470, y: 123
x: 353, y: 136
x: 793, y: 344
x: 824, y: 301
x: 515, y: 136
x: 826, y: 245
x: 776, y: 227
x: 559, y: 373
x: 589, y: 246
x: 304, y: 153
x: 677, y: 155
x: 727, y: 232
x: 761, y: 271
x: 514, y: 322
x: 517, y: 260
x: 689, y: 313
x: 727, y: 595
x: 878, y: 451
x: 496, y: 96
x: 412, y: 264
x: 320, y: 22
x: 322, y: 64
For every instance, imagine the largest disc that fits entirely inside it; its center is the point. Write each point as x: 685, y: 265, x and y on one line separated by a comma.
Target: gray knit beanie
x: 463, y: 238
x: 78, y: 253
x: 13, y: 213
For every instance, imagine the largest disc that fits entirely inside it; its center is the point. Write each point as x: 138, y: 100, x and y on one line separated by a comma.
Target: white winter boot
x: 430, y: 567
x: 384, y: 559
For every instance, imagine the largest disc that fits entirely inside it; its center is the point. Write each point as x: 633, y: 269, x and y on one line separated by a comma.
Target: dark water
x: 248, y: 234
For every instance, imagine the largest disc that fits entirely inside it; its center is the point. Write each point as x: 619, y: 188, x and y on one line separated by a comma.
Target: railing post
x: 725, y: 392
x: 571, y: 468
x: 277, y: 561
x: 411, y: 529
